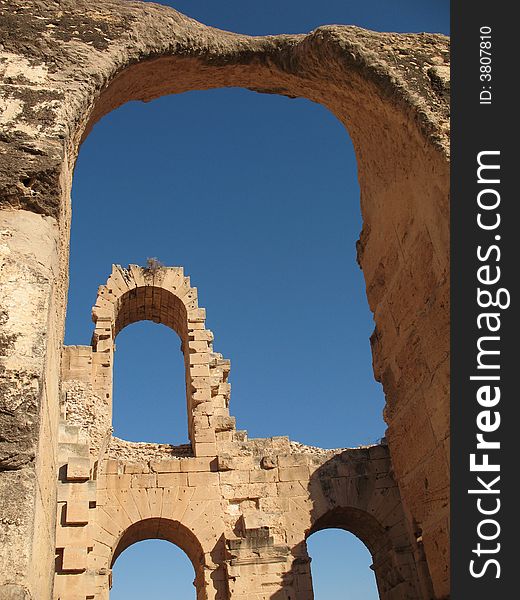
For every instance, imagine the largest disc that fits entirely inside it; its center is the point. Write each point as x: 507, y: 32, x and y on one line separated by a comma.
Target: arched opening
x: 267, y: 257
x: 164, y: 295
x: 172, y: 532
x: 377, y: 539
x: 149, y: 385
x: 154, y: 569
x: 340, y: 566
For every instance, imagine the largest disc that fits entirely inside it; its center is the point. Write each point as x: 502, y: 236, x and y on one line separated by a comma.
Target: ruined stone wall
x: 64, y: 66
x: 242, y: 518
x: 241, y: 509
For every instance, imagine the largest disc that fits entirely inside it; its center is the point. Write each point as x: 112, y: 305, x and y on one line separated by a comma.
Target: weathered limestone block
x: 78, y: 468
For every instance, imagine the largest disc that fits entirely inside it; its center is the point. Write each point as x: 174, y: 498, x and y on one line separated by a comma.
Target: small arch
x: 341, y: 566
x: 153, y: 568
x: 375, y: 537
x: 171, y: 531
x: 161, y: 306
x: 164, y: 295
x: 363, y: 525
x: 347, y: 494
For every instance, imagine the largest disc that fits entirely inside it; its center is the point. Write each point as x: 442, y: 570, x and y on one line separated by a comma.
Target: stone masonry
x: 63, y: 65
x: 241, y: 509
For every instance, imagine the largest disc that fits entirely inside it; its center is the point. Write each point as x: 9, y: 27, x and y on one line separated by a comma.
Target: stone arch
x: 135, y: 502
x: 86, y: 58
x: 171, y: 531
x: 389, y: 578
x: 165, y: 295
x: 358, y: 522
x: 355, y: 490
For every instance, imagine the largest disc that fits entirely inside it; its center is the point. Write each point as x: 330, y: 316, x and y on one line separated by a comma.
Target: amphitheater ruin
x: 73, y: 497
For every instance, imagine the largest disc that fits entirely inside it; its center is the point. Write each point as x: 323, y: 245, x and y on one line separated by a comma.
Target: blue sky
x: 257, y: 197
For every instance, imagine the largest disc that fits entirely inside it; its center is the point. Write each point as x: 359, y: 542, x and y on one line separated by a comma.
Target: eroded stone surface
x: 65, y: 65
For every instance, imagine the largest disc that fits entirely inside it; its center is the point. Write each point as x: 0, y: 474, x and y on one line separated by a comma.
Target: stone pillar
x: 259, y: 568
x: 29, y: 354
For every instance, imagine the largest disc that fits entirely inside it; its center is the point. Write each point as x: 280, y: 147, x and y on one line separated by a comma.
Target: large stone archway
x: 64, y: 67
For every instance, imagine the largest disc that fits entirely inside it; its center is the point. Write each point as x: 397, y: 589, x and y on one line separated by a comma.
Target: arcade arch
x: 340, y: 566
x: 172, y: 532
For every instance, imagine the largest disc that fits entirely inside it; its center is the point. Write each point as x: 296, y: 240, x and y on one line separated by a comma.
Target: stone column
x: 30, y: 342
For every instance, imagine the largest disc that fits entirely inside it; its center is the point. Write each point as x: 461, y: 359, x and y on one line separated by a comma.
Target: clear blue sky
x: 257, y: 197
